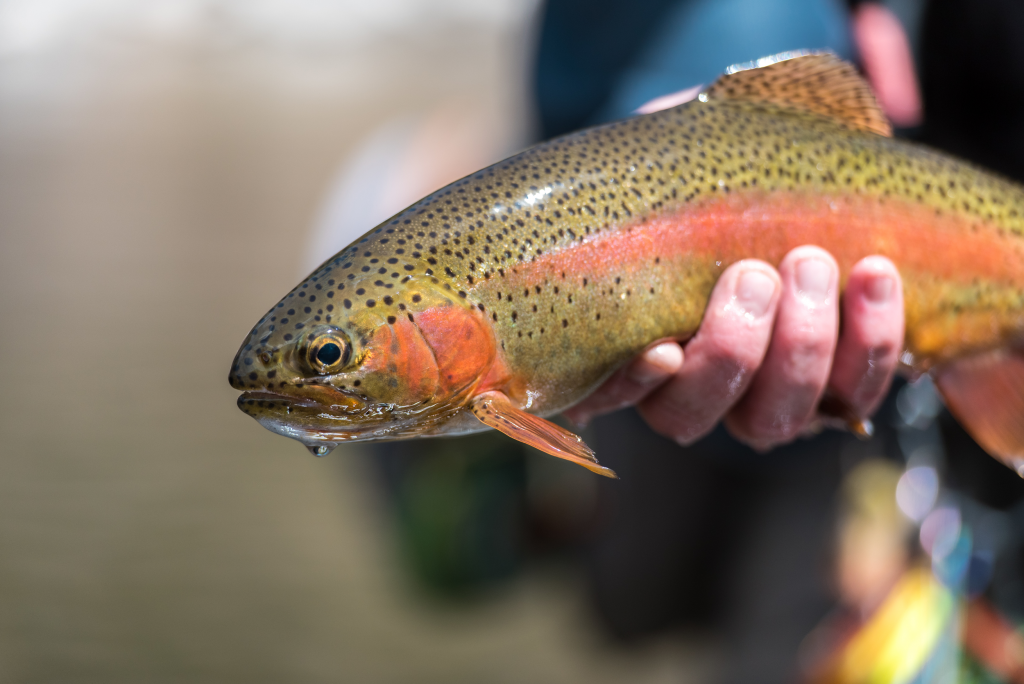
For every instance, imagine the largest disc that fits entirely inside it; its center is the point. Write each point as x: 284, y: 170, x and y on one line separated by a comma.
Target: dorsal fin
x: 817, y: 82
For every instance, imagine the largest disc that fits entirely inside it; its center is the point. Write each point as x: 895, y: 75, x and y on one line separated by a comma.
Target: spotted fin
x: 817, y: 82
x: 986, y: 394
x: 495, y: 410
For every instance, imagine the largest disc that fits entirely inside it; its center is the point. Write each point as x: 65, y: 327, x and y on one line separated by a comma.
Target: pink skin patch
x: 670, y: 100
x: 888, y: 62
x: 768, y: 225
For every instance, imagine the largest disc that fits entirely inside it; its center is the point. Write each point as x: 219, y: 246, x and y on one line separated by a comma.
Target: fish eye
x: 328, y: 352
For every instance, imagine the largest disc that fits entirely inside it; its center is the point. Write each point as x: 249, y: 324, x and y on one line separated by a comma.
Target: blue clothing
x: 698, y: 39
x: 598, y: 60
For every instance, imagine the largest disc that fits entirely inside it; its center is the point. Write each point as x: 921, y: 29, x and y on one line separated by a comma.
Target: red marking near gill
x: 464, y: 348
x: 768, y: 225
x: 407, y: 357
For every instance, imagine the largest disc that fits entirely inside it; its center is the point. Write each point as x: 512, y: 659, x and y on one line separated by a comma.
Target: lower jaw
x: 326, y: 434
x: 314, y: 424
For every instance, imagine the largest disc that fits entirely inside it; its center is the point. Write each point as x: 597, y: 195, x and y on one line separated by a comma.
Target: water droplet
x: 320, y: 450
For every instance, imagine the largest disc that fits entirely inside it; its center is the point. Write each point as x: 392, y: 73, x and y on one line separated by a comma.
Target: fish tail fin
x: 986, y: 394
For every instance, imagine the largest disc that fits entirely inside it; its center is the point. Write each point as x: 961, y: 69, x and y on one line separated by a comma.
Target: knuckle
x: 735, y: 359
x: 809, y: 342
x: 659, y: 417
x: 746, y: 434
x: 676, y: 419
x: 881, y: 352
x: 688, y: 436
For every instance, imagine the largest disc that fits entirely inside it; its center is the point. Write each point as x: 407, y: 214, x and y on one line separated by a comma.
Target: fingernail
x: 813, y: 277
x: 656, y: 363
x: 879, y: 290
x: 754, y: 293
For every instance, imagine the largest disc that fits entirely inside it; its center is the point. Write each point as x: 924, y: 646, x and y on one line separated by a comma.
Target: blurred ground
x: 160, y: 164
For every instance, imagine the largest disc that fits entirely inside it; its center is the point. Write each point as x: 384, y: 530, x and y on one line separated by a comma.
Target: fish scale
x: 577, y: 253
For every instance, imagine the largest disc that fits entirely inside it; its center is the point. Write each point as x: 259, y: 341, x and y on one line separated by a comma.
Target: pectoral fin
x: 986, y: 394
x: 495, y: 410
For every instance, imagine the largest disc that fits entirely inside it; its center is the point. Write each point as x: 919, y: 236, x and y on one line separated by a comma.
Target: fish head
x: 358, y: 360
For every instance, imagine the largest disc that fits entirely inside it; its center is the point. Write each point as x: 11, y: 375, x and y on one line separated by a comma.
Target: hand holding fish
x: 767, y: 351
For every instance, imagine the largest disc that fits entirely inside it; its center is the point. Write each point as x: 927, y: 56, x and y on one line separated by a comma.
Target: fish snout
x: 257, y: 368
x: 235, y: 380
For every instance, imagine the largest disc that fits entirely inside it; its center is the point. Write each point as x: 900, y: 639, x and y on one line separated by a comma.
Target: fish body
x: 514, y: 292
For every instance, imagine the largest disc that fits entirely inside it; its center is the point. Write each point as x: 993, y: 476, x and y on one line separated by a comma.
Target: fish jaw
x: 344, y: 419
x: 419, y: 354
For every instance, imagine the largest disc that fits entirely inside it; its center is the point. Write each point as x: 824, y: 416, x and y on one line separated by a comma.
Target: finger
x: 889, y: 62
x: 872, y: 335
x: 784, y: 394
x: 631, y: 384
x: 722, y: 357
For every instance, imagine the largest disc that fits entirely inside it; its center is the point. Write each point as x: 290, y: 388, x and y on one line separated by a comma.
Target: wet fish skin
x: 540, y: 275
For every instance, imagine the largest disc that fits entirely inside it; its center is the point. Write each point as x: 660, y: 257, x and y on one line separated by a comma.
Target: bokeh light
x: 940, y: 532
x: 917, y: 491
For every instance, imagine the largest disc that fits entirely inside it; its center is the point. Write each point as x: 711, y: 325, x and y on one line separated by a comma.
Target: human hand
x: 767, y: 350
x: 888, y: 62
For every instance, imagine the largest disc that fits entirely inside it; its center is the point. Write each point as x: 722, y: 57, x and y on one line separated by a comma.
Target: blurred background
x: 169, y: 168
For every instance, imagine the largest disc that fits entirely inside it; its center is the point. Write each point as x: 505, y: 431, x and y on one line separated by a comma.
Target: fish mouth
x: 330, y: 401
x: 331, y: 419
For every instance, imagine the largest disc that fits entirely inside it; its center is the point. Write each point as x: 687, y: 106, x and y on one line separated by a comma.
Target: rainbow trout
x: 511, y: 294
